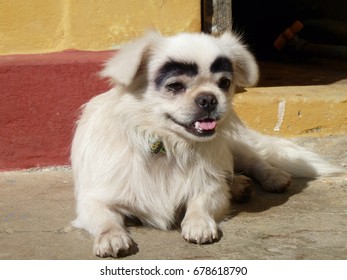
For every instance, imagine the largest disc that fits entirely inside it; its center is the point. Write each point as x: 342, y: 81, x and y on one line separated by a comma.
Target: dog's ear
x: 244, y: 63
x: 123, y: 67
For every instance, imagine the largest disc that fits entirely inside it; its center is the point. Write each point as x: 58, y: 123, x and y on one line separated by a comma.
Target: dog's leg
x: 107, y: 225
x: 270, y: 178
x: 248, y: 162
x: 199, y: 223
x: 241, y: 188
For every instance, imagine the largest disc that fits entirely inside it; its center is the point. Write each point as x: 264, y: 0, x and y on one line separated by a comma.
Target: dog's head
x: 187, y: 80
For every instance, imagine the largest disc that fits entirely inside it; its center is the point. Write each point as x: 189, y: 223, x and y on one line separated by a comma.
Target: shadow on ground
x: 262, y: 200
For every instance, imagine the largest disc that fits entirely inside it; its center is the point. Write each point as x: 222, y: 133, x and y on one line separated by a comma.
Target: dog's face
x: 188, y: 79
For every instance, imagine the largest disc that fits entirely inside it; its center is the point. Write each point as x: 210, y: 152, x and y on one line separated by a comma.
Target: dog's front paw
x: 112, y: 243
x: 275, y: 180
x: 199, y: 230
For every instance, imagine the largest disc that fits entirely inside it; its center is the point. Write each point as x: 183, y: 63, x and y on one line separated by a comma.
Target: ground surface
x: 307, y: 222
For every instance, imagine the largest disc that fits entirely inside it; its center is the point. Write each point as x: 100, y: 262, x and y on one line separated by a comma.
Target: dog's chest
x: 181, y: 170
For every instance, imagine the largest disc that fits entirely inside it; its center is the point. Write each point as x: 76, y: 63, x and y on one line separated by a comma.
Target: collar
x: 156, y: 146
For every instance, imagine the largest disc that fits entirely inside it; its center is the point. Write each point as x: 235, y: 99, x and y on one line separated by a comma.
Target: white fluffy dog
x: 165, y: 140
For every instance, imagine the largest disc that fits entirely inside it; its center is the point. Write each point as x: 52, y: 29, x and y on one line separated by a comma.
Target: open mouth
x: 203, y: 127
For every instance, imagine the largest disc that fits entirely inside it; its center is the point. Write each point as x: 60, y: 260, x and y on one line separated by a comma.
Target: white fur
x: 116, y: 175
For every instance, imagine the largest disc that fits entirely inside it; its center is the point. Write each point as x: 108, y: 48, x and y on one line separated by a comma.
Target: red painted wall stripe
x: 39, y: 100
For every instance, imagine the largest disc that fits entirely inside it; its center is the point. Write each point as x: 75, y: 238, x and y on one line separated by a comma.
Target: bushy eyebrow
x: 221, y: 64
x: 174, y: 68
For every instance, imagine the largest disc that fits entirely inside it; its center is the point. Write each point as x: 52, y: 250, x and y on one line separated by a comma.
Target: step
x: 292, y: 111
x: 41, y: 95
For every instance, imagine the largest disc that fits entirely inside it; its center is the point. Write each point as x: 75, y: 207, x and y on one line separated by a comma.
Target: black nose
x: 206, y: 101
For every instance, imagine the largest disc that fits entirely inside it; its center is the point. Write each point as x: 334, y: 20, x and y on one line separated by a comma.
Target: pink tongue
x: 206, y: 125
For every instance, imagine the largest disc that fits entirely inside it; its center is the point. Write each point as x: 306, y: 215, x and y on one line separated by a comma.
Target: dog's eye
x: 176, y: 87
x: 224, y: 83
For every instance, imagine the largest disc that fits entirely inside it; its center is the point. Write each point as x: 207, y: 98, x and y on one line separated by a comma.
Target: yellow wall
x: 40, y: 26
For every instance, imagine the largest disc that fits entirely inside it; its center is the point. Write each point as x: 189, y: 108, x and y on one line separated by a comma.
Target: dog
x: 166, y: 140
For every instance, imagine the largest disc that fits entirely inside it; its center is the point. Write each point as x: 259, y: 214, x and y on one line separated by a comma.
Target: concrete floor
x: 307, y: 222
